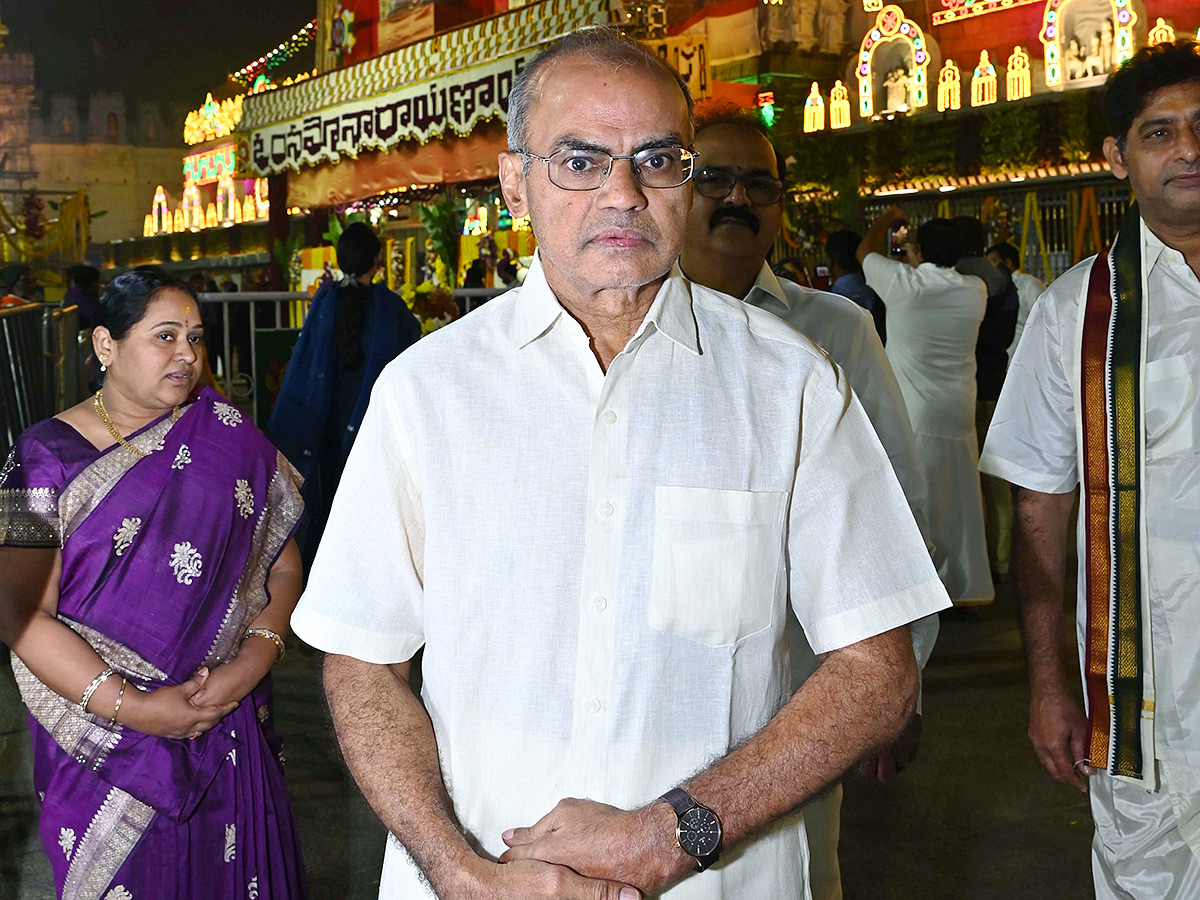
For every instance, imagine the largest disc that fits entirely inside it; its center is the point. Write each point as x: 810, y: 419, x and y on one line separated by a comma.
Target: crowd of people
x: 609, y: 508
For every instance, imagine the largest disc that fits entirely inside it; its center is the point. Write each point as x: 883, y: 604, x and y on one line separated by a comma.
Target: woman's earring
x: 103, y: 364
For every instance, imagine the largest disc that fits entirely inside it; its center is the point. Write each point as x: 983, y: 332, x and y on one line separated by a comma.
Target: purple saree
x: 165, y: 561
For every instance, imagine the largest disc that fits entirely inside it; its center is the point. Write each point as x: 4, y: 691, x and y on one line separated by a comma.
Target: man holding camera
x: 933, y: 316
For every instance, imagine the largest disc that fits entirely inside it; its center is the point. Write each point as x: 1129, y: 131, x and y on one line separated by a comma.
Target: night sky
x: 148, y: 49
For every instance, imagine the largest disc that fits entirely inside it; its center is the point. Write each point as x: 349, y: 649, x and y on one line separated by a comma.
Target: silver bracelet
x: 91, y: 688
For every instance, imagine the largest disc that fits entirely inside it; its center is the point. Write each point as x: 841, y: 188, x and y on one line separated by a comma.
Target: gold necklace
x: 102, y: 412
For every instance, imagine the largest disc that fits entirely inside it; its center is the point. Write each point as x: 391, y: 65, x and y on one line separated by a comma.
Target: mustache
x: 735, y: 214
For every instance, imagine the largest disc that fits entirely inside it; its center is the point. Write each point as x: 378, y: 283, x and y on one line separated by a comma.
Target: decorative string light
x: 891, y: 24
x: 814, y: 110
x: 1017, y: 82
x: 949, y: 87
x: 766, y: 107
x: 1161, y: 33
x: 839, y: 106
x: 983, y: 82
x: 276, y: 57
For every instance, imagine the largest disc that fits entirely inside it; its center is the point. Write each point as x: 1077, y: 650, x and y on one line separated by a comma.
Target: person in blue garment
x: 353, y: 329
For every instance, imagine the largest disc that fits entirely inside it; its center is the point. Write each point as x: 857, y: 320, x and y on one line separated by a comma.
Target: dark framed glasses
x: 717, y: 184
x: 587, y: 170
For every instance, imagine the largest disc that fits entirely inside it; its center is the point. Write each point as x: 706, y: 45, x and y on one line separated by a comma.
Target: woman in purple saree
x: 153, y: 558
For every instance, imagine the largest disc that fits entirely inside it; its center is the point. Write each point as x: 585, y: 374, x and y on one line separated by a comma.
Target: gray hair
x: 603, y: 43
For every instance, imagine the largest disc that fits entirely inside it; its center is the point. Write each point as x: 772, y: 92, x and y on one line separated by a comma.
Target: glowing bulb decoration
x: 766, y: 107
x: 839, y: 106
x: 1161, y: 33
x: 890, y: 24
x: 949, y: 87
x: 983, y: 82
x: 1017, y: 81
x: 1123, y: 19
x: 814, y: 111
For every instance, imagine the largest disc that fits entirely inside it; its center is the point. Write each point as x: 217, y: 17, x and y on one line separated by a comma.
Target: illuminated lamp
x: 1161, y: 33
x: 983, y: 82
x: 766, y: 108
x: 891, y: 24
x: 180, y: 220
x: 872, y: 5
x: 210, y: 216
x: 193, y: 210
x: 949, y: 87
x: 261, y: 201
x: 148, y: 226
x: 814, y: 111
x: 249, y: 214
x: 160, y: 214
x: 1017, y: 81
x: 225, y: 198
x: 839, y: 106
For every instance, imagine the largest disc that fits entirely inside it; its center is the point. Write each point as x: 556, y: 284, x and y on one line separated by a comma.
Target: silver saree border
x: 279, y: 516
x: 110, y: 837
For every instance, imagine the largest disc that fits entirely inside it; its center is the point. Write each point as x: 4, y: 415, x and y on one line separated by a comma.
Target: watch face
x: 699, y: 832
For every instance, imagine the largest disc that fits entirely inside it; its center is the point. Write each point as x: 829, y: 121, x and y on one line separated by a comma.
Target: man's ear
x: 512, y: 183
x: 1116, y: 159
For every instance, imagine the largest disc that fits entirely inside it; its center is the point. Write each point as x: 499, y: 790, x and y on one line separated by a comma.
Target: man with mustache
x: 590, y: 502
x: 1102, y: 395
x: 737, y: 212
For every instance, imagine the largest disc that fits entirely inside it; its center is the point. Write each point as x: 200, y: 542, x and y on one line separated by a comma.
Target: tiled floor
x: 975, y: 819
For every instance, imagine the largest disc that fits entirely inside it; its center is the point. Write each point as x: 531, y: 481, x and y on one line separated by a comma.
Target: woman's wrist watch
x: 697, y: 829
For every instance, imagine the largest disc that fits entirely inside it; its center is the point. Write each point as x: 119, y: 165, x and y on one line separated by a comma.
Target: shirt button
x: 593, y: 705
x: 606, y: 509
x: 609, y: 416
x: 599, y: 604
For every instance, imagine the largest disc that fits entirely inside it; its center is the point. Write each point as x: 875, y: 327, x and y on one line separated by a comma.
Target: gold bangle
x: 270, y: 636
x: 117, y: 708
x: 91, y: 688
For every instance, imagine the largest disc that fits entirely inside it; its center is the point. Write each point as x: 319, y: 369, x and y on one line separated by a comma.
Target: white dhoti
x: 956, y: 523
x: 1141, y: 848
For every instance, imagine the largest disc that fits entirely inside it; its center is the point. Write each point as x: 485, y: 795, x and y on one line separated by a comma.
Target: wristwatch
x: 698, y: 830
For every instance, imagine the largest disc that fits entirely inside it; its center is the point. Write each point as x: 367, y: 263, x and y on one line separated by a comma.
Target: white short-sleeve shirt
x: 1033, y: 443
x: 597, y: 564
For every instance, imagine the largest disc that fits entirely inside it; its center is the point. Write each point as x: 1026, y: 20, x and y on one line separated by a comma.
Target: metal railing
x: 41, y: 366
x: 235, y: 324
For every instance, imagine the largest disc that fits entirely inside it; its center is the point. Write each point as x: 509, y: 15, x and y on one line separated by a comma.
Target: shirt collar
x: 537, y: 307
x: 538, y: 310
x: 1154, y: 249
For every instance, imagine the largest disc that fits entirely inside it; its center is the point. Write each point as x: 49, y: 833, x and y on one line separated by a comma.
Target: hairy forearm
x: 858, y: 700
x: 388, y: 742
x: 1040, y: 540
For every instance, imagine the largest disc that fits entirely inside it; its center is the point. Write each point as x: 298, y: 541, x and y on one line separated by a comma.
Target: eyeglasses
x: 587, y: 170
x: 717, y: 184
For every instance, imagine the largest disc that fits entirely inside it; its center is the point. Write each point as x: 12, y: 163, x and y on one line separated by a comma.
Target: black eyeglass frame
x: 689, y: 156
x: 746, y: 181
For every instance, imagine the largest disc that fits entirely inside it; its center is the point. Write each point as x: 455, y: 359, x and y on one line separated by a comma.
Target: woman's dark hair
x: 1150, y: 69
x: 123, y: 303
x: 357, y: 250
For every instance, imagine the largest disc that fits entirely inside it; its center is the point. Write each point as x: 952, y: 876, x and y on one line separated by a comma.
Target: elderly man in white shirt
x: 933, y: 324
x: 1102, y: 395
x: 737, y: 212
x: 591, y: 501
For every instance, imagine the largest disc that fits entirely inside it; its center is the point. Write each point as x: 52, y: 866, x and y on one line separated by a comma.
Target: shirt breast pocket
x: 1170, y: 406
x: 717, y: 559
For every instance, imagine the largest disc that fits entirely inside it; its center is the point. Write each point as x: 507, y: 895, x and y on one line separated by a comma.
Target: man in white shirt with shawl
x: 935, y: 313
x: 590, y: 502
x: 737, y: 213
x: 1102, y: 395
